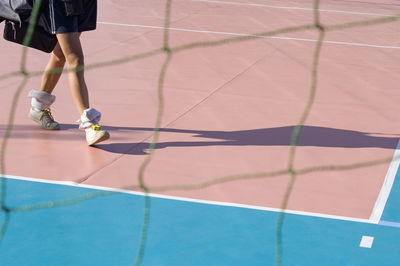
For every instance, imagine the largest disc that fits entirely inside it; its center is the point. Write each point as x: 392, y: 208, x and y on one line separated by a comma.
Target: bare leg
x: 57, y: 61
x: 42, y: 99
x: 71, y: 48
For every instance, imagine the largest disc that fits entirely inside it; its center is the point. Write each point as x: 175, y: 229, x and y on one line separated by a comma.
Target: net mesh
x: 168, y: 51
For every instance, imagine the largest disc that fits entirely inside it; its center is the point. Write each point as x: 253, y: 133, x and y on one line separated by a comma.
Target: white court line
x: 386, y: 187
x: 367, y: 241
x: 218, y: 203
x: 242, y: 34
x: 293, y: 8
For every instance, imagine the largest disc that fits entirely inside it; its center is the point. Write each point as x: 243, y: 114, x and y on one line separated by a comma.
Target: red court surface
x: 229, y: 109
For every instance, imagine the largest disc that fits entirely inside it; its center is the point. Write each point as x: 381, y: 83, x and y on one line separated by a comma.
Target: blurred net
x: 169, y: 51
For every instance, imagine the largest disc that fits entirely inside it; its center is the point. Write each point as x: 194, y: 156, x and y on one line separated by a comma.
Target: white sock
x: 41, y: 100
x: 89, y: 117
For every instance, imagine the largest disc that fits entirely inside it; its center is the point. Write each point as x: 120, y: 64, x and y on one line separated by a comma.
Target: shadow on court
x: 312, y: 136
x: 280, y: 136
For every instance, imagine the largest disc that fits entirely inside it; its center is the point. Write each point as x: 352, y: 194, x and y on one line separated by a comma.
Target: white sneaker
x: 44, y: 118
x: 94, y: 134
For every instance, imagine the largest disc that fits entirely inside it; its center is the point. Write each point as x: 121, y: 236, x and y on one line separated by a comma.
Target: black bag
x: 73, y: 7
x: 41, y: 40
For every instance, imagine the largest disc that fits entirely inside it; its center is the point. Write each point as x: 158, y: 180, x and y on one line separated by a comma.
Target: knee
x: 74, y: 60
x: 58, y: 57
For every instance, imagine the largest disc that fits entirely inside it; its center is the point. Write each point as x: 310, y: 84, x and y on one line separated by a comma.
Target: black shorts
x: 58, y: 22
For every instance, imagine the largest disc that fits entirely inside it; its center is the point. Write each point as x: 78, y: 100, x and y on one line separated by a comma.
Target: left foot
x: 44, y: 118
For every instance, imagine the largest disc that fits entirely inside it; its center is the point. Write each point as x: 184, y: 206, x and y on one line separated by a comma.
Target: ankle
x: 88, y: 118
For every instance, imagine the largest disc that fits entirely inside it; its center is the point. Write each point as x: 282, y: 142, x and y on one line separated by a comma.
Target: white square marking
x: 366, y: 241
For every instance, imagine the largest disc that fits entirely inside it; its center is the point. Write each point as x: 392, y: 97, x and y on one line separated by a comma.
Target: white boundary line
x: 380, y: 203
x: 242, y: 34
x: 292, y: 8
x: 217, y: 203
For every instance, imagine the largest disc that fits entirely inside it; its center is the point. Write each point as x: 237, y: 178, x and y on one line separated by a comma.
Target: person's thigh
x: 71, y: 46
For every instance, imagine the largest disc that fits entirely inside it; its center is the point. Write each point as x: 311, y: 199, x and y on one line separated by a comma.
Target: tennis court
x: 242, y: 133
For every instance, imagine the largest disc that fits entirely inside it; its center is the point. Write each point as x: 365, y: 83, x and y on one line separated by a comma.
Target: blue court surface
x: 97, y: 227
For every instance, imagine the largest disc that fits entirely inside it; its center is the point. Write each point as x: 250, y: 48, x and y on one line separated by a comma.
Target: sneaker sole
x: 103, y: 138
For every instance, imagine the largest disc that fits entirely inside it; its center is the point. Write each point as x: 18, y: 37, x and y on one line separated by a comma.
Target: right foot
x: 94, y: 134
x: 44, y: 118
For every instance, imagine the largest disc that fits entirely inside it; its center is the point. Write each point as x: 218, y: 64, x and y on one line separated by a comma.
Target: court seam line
x: 249, y: 35
x: 215, y: 91
x: 293, y: 8
x: 118, y: 157
x: 179, y: 116
x: 192, y: 200
x: 386, y: 188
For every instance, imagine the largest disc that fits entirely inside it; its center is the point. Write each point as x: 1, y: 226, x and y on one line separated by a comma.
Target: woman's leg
x: 42, y: 99
x: 71, y: 48
x: 57, y: 61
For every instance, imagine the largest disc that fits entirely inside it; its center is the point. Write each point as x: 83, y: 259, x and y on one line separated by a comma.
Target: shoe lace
x: 46, y: 112
x: 96, y: 127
